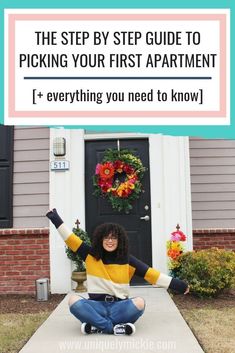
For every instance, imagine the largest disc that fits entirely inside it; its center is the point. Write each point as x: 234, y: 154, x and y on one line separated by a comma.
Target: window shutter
x: 6, y: 176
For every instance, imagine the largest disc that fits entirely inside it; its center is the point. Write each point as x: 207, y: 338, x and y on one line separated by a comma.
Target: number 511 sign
x: 60, y: 165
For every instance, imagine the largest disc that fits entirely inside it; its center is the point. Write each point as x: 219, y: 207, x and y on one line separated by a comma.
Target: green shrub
x: 208, y: 272
x: 74, y: 256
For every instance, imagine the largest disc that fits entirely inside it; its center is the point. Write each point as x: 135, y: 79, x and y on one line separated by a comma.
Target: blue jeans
x: 104, y: 315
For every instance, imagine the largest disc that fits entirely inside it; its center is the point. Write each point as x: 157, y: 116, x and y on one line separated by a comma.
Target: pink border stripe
x: 11, y: 69
x: 223, y: 91
x: 116, y: 17
x: 120, y: 114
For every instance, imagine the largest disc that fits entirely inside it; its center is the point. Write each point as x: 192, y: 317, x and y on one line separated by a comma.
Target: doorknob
x: 145, y: 218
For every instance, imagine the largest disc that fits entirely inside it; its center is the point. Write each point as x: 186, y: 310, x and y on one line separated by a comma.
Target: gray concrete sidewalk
x: 160, y: 329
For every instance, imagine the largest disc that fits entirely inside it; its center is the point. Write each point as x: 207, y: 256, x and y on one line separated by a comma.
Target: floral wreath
x: 118, y: 177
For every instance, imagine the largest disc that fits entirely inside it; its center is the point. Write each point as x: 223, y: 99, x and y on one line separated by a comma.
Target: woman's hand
x: 187, y: 290
x: 49, y: 211
x: 54, y: 217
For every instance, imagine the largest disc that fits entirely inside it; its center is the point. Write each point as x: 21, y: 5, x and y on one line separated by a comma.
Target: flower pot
x: 79, y: 278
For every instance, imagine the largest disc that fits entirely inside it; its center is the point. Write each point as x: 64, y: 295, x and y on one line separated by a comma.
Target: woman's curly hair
x: 105, y: 229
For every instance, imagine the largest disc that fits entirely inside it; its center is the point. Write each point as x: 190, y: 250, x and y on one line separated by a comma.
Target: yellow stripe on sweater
x: 112, y: 272
x: 152, y: 275
x: 73, y: 242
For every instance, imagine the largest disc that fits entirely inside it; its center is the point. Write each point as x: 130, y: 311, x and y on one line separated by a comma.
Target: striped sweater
x: 107, y: 276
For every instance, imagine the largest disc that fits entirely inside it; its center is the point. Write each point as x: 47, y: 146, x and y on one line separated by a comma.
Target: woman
x: 109, y: 271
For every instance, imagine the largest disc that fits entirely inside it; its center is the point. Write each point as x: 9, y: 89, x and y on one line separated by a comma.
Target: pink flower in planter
x: 178, y: 236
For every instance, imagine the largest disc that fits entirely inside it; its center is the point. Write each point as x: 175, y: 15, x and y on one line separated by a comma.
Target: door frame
x: 169, y: 185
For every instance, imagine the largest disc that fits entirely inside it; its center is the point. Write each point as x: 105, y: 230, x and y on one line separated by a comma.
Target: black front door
x: 99, y: 210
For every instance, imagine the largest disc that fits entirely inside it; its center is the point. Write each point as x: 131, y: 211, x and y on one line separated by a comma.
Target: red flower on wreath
x: 105, y: 185
x: 106, y: 170
x: 118, y: 166
x: 128, y: 169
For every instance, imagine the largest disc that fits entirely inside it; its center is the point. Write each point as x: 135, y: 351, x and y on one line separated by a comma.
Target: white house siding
x: 31, y: 177
x: 212, y: 164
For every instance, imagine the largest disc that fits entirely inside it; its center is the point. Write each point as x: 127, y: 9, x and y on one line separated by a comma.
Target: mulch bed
x: 225, y: 300
x: 17, y: 303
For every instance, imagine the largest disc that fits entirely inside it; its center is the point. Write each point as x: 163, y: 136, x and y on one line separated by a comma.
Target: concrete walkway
x: 160, y: 329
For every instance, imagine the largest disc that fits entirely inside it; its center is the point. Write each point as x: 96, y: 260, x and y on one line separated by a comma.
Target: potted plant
x: 79, y: 274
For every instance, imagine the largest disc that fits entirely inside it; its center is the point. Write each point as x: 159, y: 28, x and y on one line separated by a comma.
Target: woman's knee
x: 139, y: 303
x: 73, y: 299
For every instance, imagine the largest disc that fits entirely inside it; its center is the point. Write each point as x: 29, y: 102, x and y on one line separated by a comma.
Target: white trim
x: 157, y: 198
x: 68, y: 196
x: 108, y: 135
x: 187, y: 175
x: 170, y: 193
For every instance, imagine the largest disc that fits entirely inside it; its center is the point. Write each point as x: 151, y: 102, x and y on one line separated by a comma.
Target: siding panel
x: 214, y: 214
x: 30, y: 200
x: 225, y: 178
x: 209, y: 196
x: 203, y: 223
x: 213, y: 152
x: 29, y: 211
x: 212, y: 161
x: 213, y: 182
x: 36, y: 155
x: 30, y: 222
x: 195, y: 143
x: 30, y: 188
x: 216, y: 170
x: 26, y: 133
x: 220, y: 187
x: 23, y: 145
x: 31, y: 177
x: 214, y: 205
x: 38, y: 177
x: 36, y: 166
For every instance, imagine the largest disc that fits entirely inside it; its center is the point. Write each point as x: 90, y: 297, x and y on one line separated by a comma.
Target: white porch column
x: 170, y: 193
x: 67, y: 195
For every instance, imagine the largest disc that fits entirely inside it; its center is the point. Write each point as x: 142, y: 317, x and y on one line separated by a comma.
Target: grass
x: 16, y: 329
x: 214, y: 328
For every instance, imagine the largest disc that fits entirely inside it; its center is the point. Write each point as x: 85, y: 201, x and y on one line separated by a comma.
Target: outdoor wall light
x: 59, y: 146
